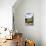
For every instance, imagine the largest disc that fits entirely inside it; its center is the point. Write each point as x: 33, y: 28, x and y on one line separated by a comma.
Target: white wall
x: 6, y: 13
x: 43, y: 22
x: 31, y: 32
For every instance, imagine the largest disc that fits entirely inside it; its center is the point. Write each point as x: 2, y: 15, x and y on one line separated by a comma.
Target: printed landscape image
x: 29, y: 19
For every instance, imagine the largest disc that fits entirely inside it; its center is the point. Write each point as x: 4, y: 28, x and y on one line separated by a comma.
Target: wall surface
x: 31, y: 32
x: 43, y: 22
x: 6, y: 13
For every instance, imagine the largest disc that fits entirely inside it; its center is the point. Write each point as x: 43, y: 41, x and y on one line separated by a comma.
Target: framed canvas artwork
x: 29, y: 18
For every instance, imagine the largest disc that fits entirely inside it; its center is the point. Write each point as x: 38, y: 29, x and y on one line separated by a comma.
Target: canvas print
x: 29, y: 19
